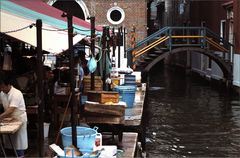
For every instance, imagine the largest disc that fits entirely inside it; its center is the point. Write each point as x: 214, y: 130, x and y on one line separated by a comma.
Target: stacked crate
x: 87, y: 84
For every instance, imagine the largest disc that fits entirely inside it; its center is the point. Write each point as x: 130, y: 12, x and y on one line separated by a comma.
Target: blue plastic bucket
x: 130, y: 80
x: 127, y: 94
x: 85, y: 137
x: 83, y: 99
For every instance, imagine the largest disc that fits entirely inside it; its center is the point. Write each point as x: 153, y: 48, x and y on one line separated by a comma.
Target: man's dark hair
x: 5, y: 78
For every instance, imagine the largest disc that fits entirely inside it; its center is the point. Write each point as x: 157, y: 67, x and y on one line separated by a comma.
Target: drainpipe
x: 168, y: 17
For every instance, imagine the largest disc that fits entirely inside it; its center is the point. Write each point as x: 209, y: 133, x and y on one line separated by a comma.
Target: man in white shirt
x: 14, y: 107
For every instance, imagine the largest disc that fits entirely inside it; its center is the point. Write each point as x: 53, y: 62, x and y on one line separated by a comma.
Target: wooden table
x: 132, y: 117
x: 8, y: 128
x: 130, y: 122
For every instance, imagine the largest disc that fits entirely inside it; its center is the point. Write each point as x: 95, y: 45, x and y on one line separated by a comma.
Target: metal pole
x: 104, y: 58
x: 108, y: 50
x: 108, y: 42
x: 92, y: 20
x: 119, y: 43
x: 124, y: 42
x: 73, y: 97
x: 40, y: 95
x: 113, y: 42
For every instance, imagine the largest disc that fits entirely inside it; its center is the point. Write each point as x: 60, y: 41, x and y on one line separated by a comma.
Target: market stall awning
x: 18, y: 18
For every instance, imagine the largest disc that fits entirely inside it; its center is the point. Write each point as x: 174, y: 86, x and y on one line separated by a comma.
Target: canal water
x: 188, y: 117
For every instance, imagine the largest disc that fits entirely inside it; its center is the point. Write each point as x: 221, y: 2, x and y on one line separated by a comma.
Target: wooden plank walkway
x: 129, y: 143
x: 133, y: 116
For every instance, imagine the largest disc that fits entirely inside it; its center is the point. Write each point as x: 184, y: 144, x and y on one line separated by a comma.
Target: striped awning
x: 18, y: 18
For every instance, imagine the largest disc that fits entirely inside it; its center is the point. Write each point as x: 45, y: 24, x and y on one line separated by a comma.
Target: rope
x: 55, y: 29
x: 64, y: 114
x: 45, y: 29
x: 23, y: 28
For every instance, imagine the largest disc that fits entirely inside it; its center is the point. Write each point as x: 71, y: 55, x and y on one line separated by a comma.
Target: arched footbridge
x: 172, y: 40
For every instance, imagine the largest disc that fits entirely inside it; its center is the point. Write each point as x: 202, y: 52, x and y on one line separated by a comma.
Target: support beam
x: 40, y: 96
x: 104, y: 56
x: 92, y: 20
x: 73, y: 98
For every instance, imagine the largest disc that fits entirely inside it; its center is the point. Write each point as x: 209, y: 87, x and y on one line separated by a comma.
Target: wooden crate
x: 98, y: 84
x: 103, y: 110
x: 103, y: 96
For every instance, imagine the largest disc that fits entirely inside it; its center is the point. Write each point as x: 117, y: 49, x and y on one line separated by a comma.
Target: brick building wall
x: 135, y: 14
x: 212, y: 12
x: 236, y: 16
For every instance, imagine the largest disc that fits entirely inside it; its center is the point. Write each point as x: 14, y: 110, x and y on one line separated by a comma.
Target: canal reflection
x: 187, y: 117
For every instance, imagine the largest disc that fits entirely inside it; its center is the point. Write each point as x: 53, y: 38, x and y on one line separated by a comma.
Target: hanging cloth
x: 108, y: 65
x: 7, y: 60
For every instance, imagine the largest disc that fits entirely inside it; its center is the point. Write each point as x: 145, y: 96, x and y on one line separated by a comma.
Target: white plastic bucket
x: 98, y: 140
x: 46, y: 129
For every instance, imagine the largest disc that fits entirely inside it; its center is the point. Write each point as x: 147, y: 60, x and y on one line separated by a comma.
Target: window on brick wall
x: 223, y: 29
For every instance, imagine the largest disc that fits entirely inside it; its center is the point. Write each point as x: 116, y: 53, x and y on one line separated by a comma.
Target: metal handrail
x: 202, y: 33
x: 142, y: 51
x: 215, y: 44
x: 149, y: 38
x: 217, y: 36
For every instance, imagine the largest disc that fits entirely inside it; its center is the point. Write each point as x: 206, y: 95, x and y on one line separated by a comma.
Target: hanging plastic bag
x: 92, y: 64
